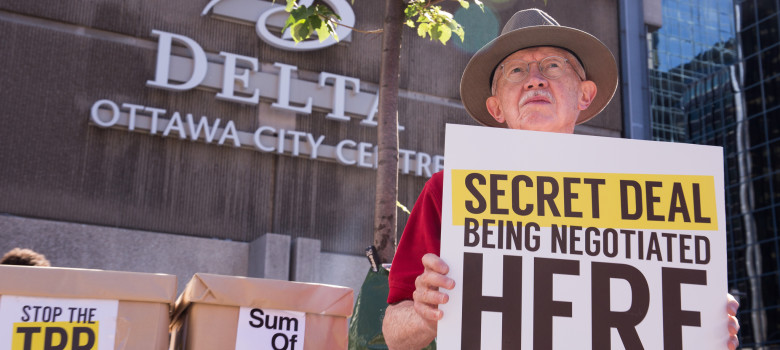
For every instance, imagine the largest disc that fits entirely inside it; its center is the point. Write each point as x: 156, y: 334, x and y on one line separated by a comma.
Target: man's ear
x: 494, y: 108
x: 587, y: 94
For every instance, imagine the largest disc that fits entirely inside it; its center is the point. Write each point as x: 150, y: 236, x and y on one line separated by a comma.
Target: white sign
x: 270, y: 329
x: 30, y: 323
x: 562, y: 241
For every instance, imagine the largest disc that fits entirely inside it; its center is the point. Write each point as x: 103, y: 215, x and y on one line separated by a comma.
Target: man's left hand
x: 733, y: 305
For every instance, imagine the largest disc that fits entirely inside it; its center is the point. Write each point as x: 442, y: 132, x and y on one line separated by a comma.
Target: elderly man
x: 537, y: 75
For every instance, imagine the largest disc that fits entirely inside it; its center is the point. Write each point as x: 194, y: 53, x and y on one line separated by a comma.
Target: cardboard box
x: 227, y: 312
x: 139, y: 306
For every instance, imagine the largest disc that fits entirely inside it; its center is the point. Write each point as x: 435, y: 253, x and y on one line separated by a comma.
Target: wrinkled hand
x: 427, y: 296
x: 733, y: 305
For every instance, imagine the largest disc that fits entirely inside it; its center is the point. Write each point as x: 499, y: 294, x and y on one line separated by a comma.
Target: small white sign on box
x: 562, y: 241
x: 77, y: 324
x: 270, y: 329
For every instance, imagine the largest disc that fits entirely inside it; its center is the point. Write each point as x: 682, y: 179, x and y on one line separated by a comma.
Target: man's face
x: 536, y: 102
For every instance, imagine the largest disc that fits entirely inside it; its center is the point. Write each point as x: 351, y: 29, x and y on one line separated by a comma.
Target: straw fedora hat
x: 530, y: 28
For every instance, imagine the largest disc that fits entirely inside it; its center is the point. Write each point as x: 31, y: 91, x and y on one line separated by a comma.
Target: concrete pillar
x: 269, y: 257
x: 305, y: 263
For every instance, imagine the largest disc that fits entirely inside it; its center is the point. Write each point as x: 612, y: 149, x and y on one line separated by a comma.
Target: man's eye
x: 517, y: 70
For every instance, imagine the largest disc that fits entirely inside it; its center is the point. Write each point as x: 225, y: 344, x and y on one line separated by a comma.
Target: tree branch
x: 373, y: 31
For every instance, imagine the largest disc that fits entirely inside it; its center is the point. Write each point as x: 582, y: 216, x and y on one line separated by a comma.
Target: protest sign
x: 560, y: 241
x: 270, y: 329
x: 231, y: 312
x: 57, y: 323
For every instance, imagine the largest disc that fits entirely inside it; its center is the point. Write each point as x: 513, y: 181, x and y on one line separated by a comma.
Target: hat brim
x: 597, y: 59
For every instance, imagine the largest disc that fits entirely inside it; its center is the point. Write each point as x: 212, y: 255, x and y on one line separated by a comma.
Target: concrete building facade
x: 181, y: 137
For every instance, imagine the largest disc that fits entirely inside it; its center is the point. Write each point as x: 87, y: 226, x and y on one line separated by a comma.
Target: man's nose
x: 535, y: 78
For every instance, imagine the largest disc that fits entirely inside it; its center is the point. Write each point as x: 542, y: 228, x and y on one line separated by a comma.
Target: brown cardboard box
x: 207, y: 313
x: 145, y: 300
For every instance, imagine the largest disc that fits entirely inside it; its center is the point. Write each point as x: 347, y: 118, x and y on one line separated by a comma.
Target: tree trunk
x: 385, y: 218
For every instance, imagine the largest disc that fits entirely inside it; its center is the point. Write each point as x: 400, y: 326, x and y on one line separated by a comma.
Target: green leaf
x: 315, y: 22
x: 325, y: 11
x: 445, y: 35
x: 463, y: 3
x: 410, y: 11
x: 423, y: 28
x: 410, y: 23
x: 322, y: 32
x: 290, y: 5
x: 299, y: 13
x: 300, y: 31
x: 290, y: 21
x: 332, y: 30
x: 435, y: 32
x: 460, y: 33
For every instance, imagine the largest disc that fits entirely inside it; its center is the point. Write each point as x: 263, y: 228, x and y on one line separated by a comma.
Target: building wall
x: 59, y: 166
x: 715, y: 82
x: 756, y: 203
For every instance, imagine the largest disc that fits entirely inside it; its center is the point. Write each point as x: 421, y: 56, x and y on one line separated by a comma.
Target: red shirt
x: 422, y: 235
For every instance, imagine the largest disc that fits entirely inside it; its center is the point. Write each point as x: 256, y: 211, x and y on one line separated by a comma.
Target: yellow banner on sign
x: 57, y: 335
x: 673, y: 202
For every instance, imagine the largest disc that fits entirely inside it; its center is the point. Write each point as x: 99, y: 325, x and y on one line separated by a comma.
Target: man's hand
x: 427, y: 296
x: 733, y: 305
x: 411, y: 324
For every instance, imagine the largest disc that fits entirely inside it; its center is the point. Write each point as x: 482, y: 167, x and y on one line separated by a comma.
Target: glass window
x: 725, y: 20
x: 744, y: 303
x: 770, y: 61
x: 717, y: 117
x: 746, y: 340
x: 767, y: 32
x: 762, y: 194
x: 772, y: 89
x: 765, y: 228
x: 759, y: 161
x: 776, y: 184
x: 747, y: 12
x: 769, y: 286
x: 769, y: 256
x: 749, y: 41
x: 753, y: 100
x: 739, y: 260
x: 775, y: 152
x: 756, y: 129
x: 766, y: 8
x: 773, y: 128
x: 773, y: 319
x: 733, y: 206
x: 752, y: 71
x: 730, y: 147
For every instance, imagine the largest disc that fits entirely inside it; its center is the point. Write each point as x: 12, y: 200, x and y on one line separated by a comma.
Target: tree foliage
x: 430, y: 20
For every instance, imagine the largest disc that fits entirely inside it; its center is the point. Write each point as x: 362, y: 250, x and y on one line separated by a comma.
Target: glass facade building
x: 714, y: 74
x: 695, y: 42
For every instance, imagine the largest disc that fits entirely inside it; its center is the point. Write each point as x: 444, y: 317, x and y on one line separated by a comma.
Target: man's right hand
x: 427, y: 296
x: 411, y: 324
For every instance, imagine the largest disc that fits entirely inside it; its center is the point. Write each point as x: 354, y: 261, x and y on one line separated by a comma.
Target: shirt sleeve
x: 422, y: 235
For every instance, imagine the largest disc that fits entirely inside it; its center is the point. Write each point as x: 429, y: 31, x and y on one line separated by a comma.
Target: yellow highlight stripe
x: 673, y: 202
